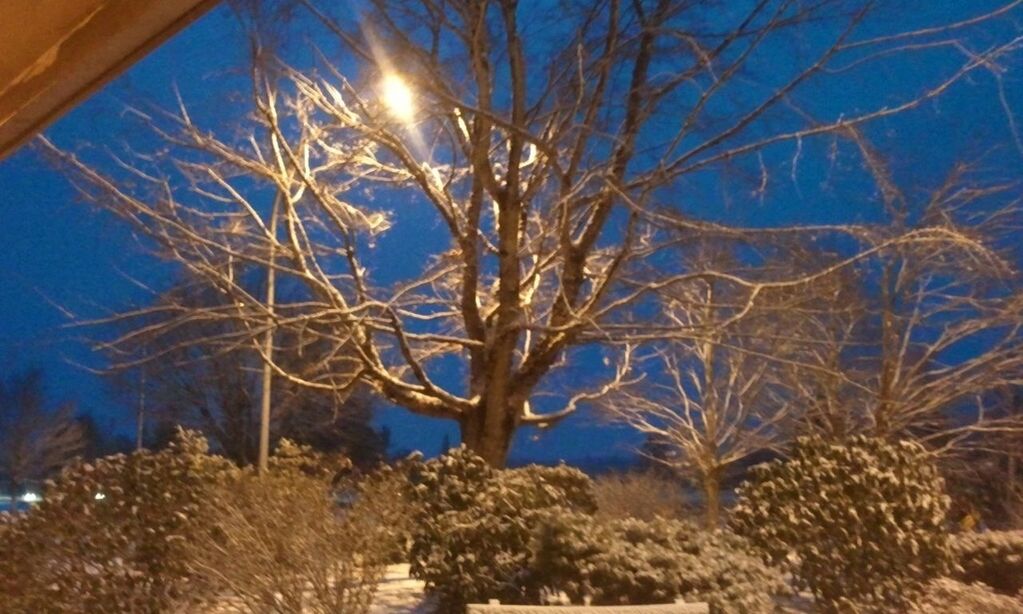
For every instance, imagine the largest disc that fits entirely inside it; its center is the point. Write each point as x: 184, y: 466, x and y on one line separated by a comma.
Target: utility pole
x: 140, y: 414
x: 268, y: 348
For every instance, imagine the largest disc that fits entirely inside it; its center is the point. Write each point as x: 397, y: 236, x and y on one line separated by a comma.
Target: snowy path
x: 399, y: 594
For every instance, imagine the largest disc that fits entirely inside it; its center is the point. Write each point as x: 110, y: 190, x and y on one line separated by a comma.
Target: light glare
x: 398, y: 97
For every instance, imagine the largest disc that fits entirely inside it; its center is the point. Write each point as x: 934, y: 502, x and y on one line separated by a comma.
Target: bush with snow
x: 386, y: 489
x: 279, y: 542
x: 155, y: 531
x: 946, y: 596
x: 109, y: 536
x: 473, y: 525
x: 859, y: 524
x: 298, y: 459
x: 993, y: 557
x: 643, y: 495
x: 641, y: 562
x: 523, y: 535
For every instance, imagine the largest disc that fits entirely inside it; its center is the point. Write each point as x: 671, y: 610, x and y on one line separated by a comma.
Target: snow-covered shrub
x: 294, y: 458
x: 539, y: 487
x: 279, y: 543
x: 386, y: 489
x: 641, y: 562
x: 857, y: 523
x: 473, y: 525
x: 993, y: 557
x: 946, y: 596
x: 109, y: 535
x: 644, y: 495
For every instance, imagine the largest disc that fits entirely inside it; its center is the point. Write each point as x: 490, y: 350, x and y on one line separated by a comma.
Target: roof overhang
x: 54, y: 53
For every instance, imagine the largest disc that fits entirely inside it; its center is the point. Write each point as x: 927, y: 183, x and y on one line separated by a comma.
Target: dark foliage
x: 657, y: 561
x: 473, y: 525
x: 994, y: 558
x: 865, y: 520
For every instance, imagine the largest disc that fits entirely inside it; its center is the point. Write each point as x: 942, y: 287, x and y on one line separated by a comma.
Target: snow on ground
x: 399, y: 594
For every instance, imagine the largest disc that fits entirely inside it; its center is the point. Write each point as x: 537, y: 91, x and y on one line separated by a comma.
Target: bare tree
x: 719, y: 394
x: 916, y: 340
x: 933, y: 335
x: 984, y: 480
x: 204, y: 383
x: 35, y: 441
x: 545, y: 138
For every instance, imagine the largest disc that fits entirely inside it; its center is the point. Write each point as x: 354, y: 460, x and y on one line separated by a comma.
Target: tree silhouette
x: 35, y: 441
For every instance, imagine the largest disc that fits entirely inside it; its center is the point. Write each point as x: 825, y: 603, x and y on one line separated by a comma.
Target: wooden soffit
x: 54, y: 53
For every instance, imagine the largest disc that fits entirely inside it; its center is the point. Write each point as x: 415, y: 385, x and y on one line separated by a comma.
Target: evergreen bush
x: 946, y: 596
x: 993, y: 557
x: 522, y: 535
x: 110, y: 536
x: 860, y: 524
x: 642, y: 562
x: 473, y: 525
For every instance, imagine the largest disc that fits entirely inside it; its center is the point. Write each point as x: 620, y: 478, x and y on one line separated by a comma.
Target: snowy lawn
x: 400, y: 594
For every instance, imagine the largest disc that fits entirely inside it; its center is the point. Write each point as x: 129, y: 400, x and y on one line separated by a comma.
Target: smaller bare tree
x: 716, y: 398
x: 928, y: 333
x: 35, y: 441
x: 202, y: 373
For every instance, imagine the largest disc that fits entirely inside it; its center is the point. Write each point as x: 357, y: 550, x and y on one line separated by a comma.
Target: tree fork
x: 491, y: 444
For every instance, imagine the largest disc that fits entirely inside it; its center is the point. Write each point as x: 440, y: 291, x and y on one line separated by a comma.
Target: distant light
x: 398, y: 97
x: 31, y: 497
x: 99, y: 496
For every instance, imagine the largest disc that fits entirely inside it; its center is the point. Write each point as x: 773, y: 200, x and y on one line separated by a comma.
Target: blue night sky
x: 58, y: 253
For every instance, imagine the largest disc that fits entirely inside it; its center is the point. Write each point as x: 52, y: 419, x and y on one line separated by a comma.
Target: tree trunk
x: 712, y: 499
x: 492, y: 444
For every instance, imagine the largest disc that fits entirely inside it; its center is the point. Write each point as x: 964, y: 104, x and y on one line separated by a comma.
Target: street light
x: 398, y: 98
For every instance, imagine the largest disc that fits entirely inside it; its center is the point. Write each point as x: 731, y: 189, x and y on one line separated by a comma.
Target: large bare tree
x: 542, y: 138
